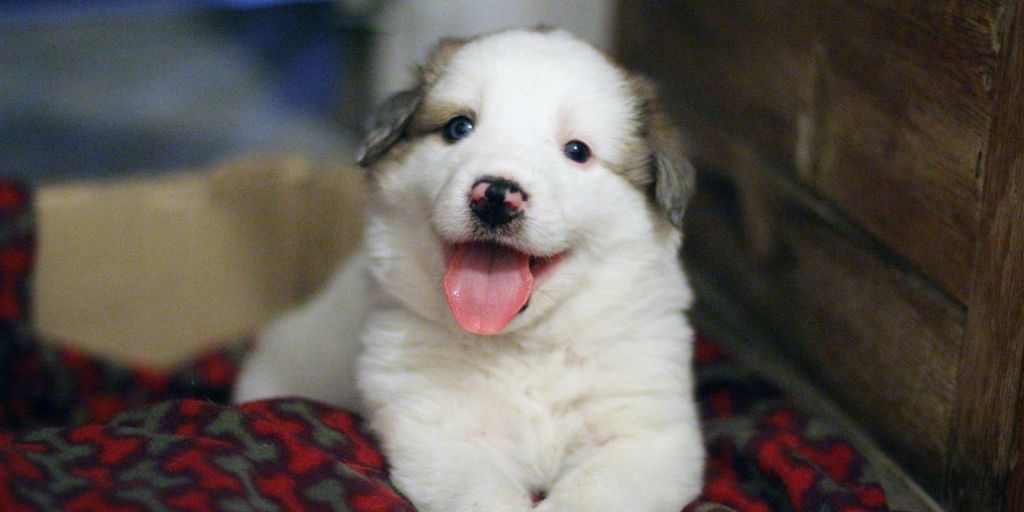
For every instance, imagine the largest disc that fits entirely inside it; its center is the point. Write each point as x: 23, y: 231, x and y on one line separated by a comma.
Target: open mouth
x: 488, y: 284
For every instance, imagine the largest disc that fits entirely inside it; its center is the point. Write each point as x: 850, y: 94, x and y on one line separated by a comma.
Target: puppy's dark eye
x: 577, y: 151
x: 458, y: 127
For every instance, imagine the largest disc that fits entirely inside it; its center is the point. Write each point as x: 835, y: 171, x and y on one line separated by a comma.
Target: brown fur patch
x: 392, y: 125
x: 438, y: 60
x: 433, y: 116
x: 637, y: 165
x: 660, y: 163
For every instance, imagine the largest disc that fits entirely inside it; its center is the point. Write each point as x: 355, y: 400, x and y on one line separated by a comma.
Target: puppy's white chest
x: 536, y: 417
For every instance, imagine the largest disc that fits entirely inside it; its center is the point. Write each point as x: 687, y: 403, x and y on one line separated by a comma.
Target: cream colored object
x: 155, y: 270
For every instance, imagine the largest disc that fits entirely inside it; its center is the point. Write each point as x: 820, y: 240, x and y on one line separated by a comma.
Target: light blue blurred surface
x: 105, y: 89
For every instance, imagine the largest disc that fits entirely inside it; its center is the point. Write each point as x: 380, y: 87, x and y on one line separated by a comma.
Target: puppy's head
x: 517, y: 162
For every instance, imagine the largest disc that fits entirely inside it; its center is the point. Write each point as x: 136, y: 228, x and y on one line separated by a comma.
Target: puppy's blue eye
x: 458, y: 127
x: 577, y: 151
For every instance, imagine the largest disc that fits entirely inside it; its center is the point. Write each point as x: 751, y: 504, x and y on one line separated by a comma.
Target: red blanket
x: 82, y: 434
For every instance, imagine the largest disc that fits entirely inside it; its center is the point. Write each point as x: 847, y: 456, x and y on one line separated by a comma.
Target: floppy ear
x: 388, y: 124
x: 674, y: 176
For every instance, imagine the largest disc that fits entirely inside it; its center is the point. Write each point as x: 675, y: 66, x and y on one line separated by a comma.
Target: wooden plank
x: 883, y: 342
x: 905, y: 118
x: 988, y: 409
x: 880, y: 106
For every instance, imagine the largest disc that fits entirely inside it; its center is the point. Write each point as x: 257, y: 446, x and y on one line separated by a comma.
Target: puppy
x: 513, y: 326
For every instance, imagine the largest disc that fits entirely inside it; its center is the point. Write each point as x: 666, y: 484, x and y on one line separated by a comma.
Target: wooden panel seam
x: 796, y: 194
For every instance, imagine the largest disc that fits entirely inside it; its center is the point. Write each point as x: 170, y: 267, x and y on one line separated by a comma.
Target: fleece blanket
x: 77, y: 433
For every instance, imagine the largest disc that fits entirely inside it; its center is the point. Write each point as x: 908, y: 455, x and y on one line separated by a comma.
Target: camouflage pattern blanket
x: 77, y: 433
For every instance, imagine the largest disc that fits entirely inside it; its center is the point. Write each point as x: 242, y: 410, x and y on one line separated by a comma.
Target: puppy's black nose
x: 496, y: 201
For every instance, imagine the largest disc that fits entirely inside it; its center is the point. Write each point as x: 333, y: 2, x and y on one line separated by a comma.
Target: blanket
x: 78, y: 433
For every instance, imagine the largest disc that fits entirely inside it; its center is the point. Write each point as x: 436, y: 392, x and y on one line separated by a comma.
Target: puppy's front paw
x: 457, y: 484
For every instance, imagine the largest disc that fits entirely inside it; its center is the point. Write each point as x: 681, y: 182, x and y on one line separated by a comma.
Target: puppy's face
x: 516, y: 165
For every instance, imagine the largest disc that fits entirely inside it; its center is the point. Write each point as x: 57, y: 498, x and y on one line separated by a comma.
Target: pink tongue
x: 487, y: 285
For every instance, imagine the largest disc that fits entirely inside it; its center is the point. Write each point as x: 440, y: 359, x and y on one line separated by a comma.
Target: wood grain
x: 907, y: 115
x: 883, y: 342
x: 880, y: 106
x: 987, y: 415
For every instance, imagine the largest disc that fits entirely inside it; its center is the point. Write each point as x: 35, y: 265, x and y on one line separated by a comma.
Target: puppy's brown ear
x: 391, y: 121
x: 388, y: 124
x: 674, y: 176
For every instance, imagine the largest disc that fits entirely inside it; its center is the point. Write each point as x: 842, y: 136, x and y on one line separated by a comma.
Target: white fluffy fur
x: 586, y: 396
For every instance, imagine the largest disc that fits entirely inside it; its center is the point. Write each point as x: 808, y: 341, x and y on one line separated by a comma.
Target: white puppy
x: 513, y: 325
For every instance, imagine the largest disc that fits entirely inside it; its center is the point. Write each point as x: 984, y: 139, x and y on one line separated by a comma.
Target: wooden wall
x: 862, y: 188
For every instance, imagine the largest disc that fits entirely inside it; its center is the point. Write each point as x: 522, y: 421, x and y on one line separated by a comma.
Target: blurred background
x: 104, y: 88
